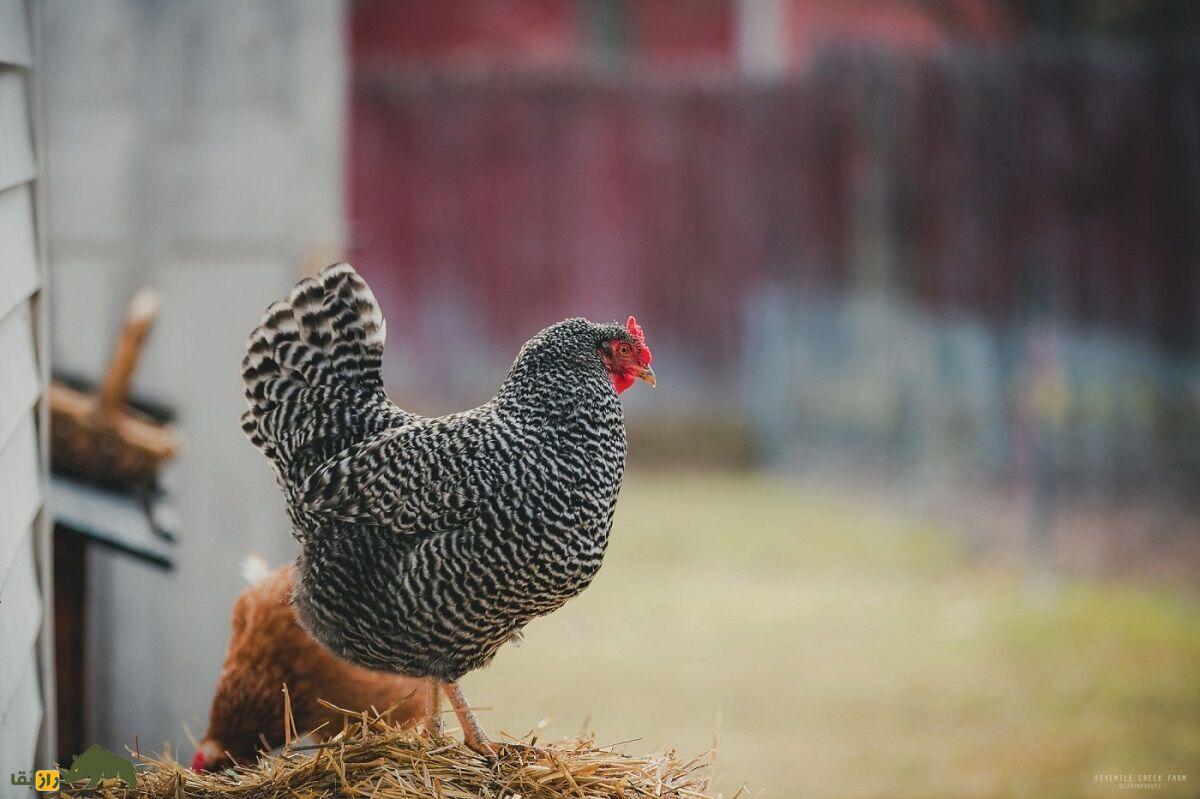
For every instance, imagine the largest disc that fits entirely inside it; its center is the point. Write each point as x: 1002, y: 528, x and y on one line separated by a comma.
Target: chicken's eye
x: 623, y: 349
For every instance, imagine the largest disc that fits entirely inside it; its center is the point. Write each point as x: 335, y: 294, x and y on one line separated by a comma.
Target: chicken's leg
x: 473, y: 734
x: 433, y: 719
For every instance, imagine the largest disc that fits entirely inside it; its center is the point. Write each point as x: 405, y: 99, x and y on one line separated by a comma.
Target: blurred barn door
x: 195, y: 148
x: 24, y: 663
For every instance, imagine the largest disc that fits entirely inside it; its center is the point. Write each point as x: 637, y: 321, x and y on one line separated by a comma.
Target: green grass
x: 849, y: 652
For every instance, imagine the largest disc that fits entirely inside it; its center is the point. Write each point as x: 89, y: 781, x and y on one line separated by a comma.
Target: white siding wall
x: 194, y: 147
x: 21, y: 479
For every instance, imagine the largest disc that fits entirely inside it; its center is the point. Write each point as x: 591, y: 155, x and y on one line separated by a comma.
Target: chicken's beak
x: 648, y: 375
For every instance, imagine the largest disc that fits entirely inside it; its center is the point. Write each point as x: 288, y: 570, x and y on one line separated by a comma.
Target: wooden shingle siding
x: 14, y: 33
x: 19, y: 379
x: 19, y: 631
x: 16, y: 140
x: 22, y: 717
x: 18, y: 257
x: 20, y: 495
x: 22, y: 480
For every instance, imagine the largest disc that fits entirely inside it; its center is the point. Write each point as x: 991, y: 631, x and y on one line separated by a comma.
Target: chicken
x: 427, y: 543
x: 268, y: 650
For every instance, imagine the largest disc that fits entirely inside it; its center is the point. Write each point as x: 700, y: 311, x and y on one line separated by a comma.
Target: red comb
x: 635, y: 330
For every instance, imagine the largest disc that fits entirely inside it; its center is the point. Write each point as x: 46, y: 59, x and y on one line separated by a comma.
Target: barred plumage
x: 429, y: 542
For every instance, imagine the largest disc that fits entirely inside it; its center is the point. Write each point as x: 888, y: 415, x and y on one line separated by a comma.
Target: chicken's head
x: 627, y: 357
x: 210, y: 756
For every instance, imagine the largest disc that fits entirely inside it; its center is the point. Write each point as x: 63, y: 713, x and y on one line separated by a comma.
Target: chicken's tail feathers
x: 329, y: 331
x: 338, y: 316
x: 312, y: 367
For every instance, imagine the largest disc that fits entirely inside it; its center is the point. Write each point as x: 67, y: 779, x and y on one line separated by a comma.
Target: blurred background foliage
x: 1157, y: 22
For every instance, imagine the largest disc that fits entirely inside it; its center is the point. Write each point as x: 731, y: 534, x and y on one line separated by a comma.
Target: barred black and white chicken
x: 427, y: 543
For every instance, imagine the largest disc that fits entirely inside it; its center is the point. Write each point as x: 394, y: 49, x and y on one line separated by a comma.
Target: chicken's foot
x: 433, y: 718
x: 473, y: 734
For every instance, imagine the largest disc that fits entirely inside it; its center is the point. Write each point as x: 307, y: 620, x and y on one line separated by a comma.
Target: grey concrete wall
x: 196, y: 148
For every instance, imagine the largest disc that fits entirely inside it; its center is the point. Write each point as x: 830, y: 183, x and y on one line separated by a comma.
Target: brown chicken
x: 267, y: 650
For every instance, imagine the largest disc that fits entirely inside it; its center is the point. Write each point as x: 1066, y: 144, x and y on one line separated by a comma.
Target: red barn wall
x: 520, y: 199
x: 757, y: 228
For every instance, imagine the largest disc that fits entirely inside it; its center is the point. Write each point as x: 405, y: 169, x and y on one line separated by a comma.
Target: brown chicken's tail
x: 255, y: 568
